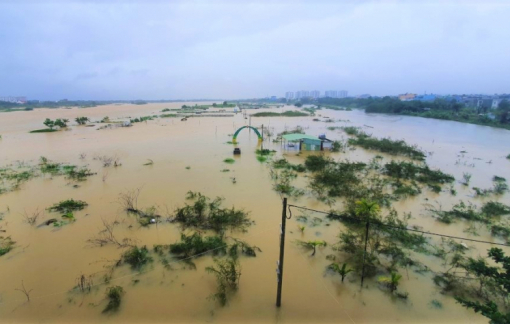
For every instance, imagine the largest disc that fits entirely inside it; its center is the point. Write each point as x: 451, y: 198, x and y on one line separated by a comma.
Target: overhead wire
x: 379, y: 223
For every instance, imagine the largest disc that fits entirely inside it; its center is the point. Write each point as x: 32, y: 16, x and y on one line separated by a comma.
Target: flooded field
x: 189, y: 156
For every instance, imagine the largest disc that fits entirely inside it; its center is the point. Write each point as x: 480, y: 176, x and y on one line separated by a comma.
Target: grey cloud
x: 230, y: 49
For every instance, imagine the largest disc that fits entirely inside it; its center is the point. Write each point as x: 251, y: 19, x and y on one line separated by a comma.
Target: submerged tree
x: 82, y: 120
x: 342, y: 271
x: 228, y: 273
x: 366, y: 209
x: 206, y: 213
x: 494, y: 305
x: 312, y: 245
x: 49, y: 123
x: 114, y: 294
x: 392, y: 281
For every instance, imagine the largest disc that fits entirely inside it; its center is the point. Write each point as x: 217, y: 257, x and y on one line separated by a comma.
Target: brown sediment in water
x: 49, y: 260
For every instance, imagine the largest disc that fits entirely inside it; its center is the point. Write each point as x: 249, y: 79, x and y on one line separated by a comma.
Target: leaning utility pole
x: 279, y: 264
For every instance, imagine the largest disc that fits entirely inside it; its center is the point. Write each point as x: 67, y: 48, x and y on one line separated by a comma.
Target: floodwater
x: 49, y: 260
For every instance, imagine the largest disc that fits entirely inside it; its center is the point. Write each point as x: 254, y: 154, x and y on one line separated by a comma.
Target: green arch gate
x: 234, y: 138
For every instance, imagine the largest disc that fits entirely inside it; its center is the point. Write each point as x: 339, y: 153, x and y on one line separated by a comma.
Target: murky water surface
x: 49, y: 260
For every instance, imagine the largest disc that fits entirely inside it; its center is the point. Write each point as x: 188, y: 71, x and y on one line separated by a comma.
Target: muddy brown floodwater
x: 49, y: 260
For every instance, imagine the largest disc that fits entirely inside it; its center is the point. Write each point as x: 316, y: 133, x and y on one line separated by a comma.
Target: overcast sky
x: 235, y: 49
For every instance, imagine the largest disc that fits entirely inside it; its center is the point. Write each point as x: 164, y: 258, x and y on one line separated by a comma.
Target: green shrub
x: 6, y: 245
x: 387, y: 145
x: 410, y: 171
x: 493, y: 209
x: 284, y: 114
x: 45, y: 130
x: 114, y: 294
x: 137, y: 257
x: 316, y: 162
x: 197, y: 245
x: 351, y: 130
x: 205, y: 213
x: 228, y: 273
x: 67, y: 206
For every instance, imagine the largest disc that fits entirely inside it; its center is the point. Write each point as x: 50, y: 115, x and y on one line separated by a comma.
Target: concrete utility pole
x: 262, y: 143
x: 279, y: 264
x: 364, y: 254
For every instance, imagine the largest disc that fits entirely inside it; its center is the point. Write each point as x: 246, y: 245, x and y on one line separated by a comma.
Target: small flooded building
x: 304, y: 142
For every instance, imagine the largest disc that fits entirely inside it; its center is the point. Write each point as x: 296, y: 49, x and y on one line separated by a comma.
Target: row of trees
x: 62, y: 123
x: 481, y: 285
x: 439, y: 108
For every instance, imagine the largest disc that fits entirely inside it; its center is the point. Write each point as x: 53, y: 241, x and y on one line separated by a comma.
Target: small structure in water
x: 307, y: 142
x: 237, y: 151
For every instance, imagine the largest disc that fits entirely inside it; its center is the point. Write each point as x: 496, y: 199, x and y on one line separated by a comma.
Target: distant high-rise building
x: 331, y: 93
x: 289, y: 95
x: 342, y: 94
x: 20, y: 100
x: 302, y: 94
x: 315, y: 94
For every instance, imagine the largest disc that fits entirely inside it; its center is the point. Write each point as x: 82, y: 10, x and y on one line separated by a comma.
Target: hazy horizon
x: 233, y: 50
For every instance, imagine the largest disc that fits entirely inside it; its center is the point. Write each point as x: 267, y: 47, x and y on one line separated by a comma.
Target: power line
x: 378, y: 223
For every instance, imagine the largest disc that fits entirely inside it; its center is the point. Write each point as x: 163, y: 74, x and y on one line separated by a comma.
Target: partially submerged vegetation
x: 52, y: 124
x: 439, y: 108
x: 137, y: 257
x: 227, y: 273
x: 197, y: 245
x: 66, y: 208
x: 385, y: 145
x: 142, y: 119
x: 387, y: 248
x: 82, y: 120
x: 6, y: 245
x: 71, y: 171
x: 229, y: 160
x: 284, y: 114
x: 499, y: 187
x: 282, y: 182
x: 69, y: 205
x: 311, y: 245
x: 422, y: 173
x: 12, y: 177
x: 357, y: 180
x: 206, y: 213
x: 114, y: 295
x: 489, y: 214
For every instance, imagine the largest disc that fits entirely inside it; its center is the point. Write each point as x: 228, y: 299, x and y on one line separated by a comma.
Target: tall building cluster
x: 290, y: 95
x: 19, y: 100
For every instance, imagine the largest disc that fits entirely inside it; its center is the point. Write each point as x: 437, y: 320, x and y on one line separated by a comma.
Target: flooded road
x: 188, y: 155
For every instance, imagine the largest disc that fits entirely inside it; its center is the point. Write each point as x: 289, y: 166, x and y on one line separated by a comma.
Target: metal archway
x: 234, y: 138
